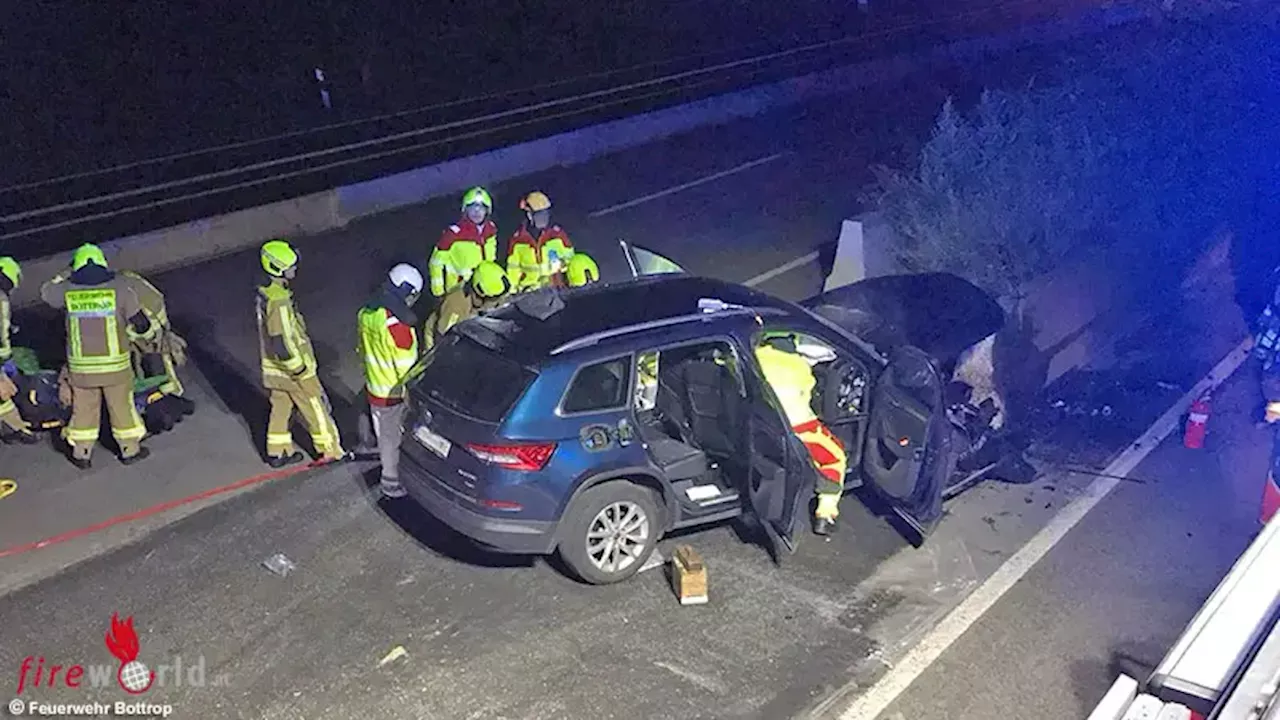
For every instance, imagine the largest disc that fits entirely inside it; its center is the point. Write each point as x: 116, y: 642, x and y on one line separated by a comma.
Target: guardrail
x: 55, y: 214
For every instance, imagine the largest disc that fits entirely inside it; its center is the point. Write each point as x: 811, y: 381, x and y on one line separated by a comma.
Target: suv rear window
x: 472, y: 380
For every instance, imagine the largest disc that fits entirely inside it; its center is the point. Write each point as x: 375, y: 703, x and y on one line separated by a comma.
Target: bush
x: 1149, y: 140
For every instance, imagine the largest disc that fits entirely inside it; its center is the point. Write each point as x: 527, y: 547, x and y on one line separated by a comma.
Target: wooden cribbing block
x: 689, y: 575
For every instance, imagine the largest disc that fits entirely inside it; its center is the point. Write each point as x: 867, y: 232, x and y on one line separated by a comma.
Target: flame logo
x: 122, y: 641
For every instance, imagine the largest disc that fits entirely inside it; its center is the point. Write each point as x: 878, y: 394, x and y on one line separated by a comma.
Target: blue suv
x: 591, y: 422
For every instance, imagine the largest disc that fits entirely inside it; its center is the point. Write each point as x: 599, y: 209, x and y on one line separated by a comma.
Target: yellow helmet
x: 582, y: 270
x: 277, y: 257
x: 88, y: 253
x: 10, y: 269
x: 535, y: 202
x: 477, y: 195
x: 489, y: 280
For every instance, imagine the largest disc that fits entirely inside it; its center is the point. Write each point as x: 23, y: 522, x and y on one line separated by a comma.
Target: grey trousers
x: 388, y: 427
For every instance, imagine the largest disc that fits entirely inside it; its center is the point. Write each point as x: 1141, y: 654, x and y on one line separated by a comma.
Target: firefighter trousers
x: 827, y: 454
x: 10, y: 419
x: 309, y: 398
x: 127, y: 427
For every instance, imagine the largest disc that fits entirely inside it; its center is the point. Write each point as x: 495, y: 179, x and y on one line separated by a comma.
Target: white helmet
x: 406, y: 274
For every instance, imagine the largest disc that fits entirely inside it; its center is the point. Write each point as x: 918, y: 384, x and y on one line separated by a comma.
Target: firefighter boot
x: 824, y: 518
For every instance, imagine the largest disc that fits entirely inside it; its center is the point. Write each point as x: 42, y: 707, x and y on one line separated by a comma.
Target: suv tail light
x: 527, y: 457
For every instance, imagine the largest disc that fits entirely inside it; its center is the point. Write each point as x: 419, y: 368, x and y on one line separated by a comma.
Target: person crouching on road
x: 792, y: 380
x: 464, y: 245
x: 12, y: 427
x: 539, y: 250
x: 289, y: 364
x: 389, y: 347
x: 487, y: 289
x: 100, y: 309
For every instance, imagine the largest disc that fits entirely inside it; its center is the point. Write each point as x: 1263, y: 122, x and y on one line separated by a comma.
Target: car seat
x: 712, y: 405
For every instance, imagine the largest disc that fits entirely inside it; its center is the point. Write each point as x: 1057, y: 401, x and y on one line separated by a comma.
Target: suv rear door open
x: 643, y: 262
x: 781, y: 478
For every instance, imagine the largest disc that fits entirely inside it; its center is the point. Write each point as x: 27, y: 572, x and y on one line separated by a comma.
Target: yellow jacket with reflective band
x: 454, y: 308
x: 792, y: 381
x: 6, y: 327
x: 386, y: 364
x: 280, y: 326
x: 152, y: 301
x: 461, y: 248
x: 97, y: 318
x: 529, y: 263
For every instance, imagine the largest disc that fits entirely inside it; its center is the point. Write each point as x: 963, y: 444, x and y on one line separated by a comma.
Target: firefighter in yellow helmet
x: 488, y: 288
x: 289, y: 364
x: 540, y: 250
x: 163, y: 351
x: 389, y: 348
x: 465, y: 244
x: 792, y: 380
x: 12, y: 427
x: 101, y: 309
x: 582, y: 270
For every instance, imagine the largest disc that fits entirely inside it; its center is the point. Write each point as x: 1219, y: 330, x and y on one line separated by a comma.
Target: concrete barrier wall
x: 209, y: 238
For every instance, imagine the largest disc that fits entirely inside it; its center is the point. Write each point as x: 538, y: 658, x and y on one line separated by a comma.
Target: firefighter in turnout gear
x: 101, y: 310
x: 792, y: 380
x: 289, y: 364
x: 389, y: 347
x: 12, y: 427
x: 582, y: 270
x: 488, y: 288
x: 539, y: 251
x: 474, y: 239
x: 162, y: 352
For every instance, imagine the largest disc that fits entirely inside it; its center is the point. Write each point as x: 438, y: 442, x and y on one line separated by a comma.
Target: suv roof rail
x: 594, y: 338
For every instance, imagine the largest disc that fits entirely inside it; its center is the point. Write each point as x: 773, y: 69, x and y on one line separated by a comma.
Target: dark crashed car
x: 591, y: 422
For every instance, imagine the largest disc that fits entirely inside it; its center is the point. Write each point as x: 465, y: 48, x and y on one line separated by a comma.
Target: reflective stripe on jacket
x: 97, y: 320
x: 285, y: 348
x: 390, y: 349
x: 461, y: 248
x: 792, y: 381
x: 531, y: 262
x: 6, y: 327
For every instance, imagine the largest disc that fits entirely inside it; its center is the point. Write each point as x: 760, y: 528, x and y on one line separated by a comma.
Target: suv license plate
x: 433, y: 442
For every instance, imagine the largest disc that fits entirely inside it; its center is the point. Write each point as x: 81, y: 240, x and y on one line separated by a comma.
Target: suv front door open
x: 908, y: 455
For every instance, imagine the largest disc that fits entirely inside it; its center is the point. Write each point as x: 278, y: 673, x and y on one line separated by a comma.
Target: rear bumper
x: 505, y: 535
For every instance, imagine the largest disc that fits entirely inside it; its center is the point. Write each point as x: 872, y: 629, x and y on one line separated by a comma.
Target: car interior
x: 690, y: 404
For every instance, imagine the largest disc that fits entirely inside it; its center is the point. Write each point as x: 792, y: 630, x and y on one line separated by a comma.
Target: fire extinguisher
x: 1197, y: 422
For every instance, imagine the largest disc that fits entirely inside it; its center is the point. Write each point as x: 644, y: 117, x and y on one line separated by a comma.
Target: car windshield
x: 470, y: 379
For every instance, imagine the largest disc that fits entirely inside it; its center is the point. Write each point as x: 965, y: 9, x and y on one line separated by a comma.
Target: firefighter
x: 289, y: 364
x: 465, y: 245
x: 12, y: 427
x: 101, y: 308
x: 389, y: 347
x: 582, y: 270
x: 488, y: 288
x: 539, y: 250
x: 164, y: 351
x: 792, y: 380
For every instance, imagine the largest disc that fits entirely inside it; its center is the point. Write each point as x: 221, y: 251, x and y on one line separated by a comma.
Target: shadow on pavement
x: 229, y: 380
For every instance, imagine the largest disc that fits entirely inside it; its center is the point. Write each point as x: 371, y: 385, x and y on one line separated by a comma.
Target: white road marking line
x: 685, y: 186
x: 875, y: 700
x: 786, y: 268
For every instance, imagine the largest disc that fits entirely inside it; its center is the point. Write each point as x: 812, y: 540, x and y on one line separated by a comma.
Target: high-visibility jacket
x: 457, y: 306
x: 792, y: 381
x: 6, y: 327
x: 150, y: 298
x: 98, y: 315
x: 390, y: 349
x: 285, y: 347
x: 461, y: 248
x: 531, y: 262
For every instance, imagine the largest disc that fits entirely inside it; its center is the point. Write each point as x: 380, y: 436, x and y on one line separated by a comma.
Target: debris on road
x: 279, y: 564
x: 396, y: 653
x: 689, y: 576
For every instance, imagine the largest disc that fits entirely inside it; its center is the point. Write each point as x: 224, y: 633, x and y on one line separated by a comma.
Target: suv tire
x: 609, y: 532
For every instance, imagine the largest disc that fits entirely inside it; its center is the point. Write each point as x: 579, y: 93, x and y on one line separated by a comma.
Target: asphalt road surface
x: 492, y: 637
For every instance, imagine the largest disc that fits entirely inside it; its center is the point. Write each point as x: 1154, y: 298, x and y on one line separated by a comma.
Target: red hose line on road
x: 157, y: 509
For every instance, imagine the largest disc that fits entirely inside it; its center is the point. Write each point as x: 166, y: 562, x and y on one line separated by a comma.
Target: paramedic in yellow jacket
x: 465, y: 244
x: 289, y: 364
x: 488, y: 288
x: 540, y: 250
x: 792, y: 380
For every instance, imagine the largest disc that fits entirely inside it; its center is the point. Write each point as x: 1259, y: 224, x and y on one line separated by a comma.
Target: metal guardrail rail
x: 49, y: 215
